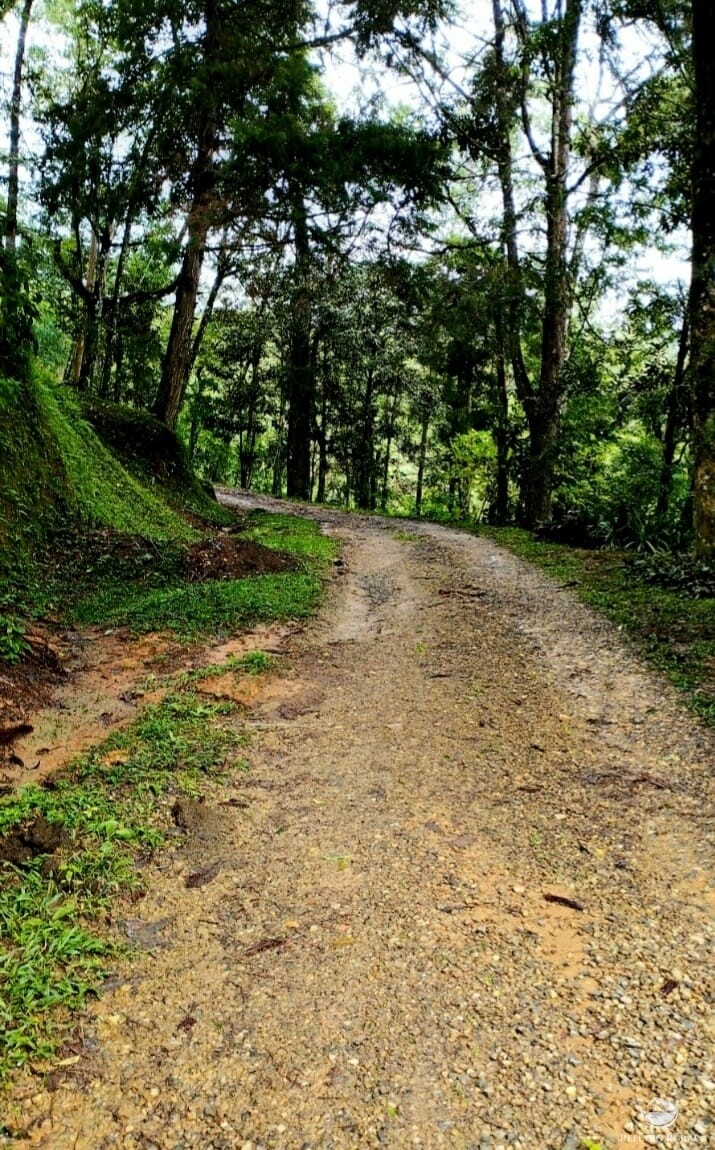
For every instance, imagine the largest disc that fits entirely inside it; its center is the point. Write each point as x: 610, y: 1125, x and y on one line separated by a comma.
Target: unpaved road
x: 379, y: 960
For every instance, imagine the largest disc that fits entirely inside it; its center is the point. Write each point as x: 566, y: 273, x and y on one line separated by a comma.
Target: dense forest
x: 391, y: 254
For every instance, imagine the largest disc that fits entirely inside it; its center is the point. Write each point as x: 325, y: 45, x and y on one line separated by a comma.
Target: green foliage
x: 683, y: 573
x: 18, y: 311
x: 13, y: 644
x: 255, y: 663
x: 48, y: 961
x: 112, y: 803
x: 472, y: 466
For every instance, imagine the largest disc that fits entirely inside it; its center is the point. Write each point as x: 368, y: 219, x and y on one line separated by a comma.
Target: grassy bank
x: 672, y: 627
x: 159, y: 599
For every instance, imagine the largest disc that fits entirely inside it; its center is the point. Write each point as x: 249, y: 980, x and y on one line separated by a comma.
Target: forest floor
x: 464, y: 897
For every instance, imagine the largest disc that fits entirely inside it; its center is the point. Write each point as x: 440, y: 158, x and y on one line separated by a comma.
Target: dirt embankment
x: 463, y: 898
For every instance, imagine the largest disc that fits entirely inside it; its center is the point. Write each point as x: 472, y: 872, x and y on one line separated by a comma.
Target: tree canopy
x: 460, y: 290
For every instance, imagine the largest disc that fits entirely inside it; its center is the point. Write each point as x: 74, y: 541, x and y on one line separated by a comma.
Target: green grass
x: 291, y: 533
x: 672, y: 630
x: 113, y: 803
x: 191, y: 611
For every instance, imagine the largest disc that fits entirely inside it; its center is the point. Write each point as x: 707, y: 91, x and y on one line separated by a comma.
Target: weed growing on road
x: 252, y: 663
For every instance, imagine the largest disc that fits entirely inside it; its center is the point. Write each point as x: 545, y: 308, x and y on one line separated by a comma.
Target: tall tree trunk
x: 365, y: 454
x: 322, y: 437
x: 176, y: 366
x: 222, y: 271
x: 544, y: 410
x: 76, y: 373
x: 674, y: 410
x: 391, y: 426
x: 110, y: 334
x: 95, y: 314
x: 505, y: 166
x: 499, y: 513
x: 177, y: 363
x: 13, y: 178
x: 301, y: 375
x: 422, y: 459
x: 702, y: 293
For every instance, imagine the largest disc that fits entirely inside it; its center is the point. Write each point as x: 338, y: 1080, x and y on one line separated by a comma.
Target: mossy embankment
x: 59, y: 482
x: 103, y: 522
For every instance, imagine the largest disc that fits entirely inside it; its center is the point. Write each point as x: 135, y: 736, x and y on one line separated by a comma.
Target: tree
x: 17, y: 310
x: 702, y: 293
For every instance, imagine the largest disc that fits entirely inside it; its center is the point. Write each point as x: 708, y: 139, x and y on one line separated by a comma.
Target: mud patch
x: 226, y: 557
x: 36, y: 838
x: 109, y: 676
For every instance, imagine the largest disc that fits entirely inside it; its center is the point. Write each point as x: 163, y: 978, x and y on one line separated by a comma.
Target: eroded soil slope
x: 463, y: 898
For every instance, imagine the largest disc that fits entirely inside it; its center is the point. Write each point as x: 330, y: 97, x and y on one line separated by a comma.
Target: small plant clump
x: 13, y: 644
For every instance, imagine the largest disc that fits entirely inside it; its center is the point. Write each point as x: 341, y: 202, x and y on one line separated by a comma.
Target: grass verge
x: 191, y: 611
x: 674, y: 631
x: 111, y: 806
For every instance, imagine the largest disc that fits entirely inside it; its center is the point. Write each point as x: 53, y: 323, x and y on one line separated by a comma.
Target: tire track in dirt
x: 374, y: 963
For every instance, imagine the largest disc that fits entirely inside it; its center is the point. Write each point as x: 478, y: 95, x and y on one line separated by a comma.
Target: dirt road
x: 465, y: 895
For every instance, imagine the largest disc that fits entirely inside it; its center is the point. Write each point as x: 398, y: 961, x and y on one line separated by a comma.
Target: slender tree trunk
x: 222, y: 271
x: 391, y: 424
x: 177, y: 363
x: 195, y: 422
x: 505, y: 167
x: 365, y: 455
x: 95, y: 315
x: 13, y: 178
x: 322, y: 436
x: 422, y: 459
x: 544, y: 409
x: 176, y: 366
x: 301, y: 375
x: 110, y: 335
x: 672, y: 421
x: 279, y: 457
x: 500, y: 511
x: 702, y: 293
x: 76, y: 374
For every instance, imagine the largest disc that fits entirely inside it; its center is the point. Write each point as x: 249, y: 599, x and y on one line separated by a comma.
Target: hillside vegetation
x: 59, y: 478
